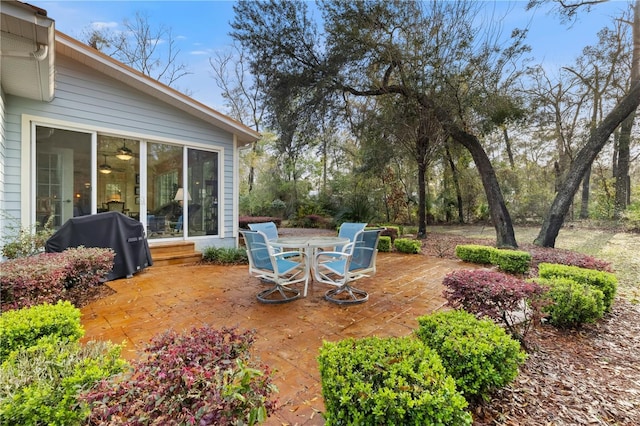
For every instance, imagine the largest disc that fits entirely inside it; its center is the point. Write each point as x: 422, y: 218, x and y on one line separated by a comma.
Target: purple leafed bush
x: 244, y: 221
x: 45, y: 277
x: 502, y: 297
x: 201, y: 377
x: 565, y: 257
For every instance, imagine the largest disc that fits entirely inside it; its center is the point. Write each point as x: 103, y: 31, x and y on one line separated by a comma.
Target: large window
x: 118, y: 163
x: 164, y: 178
x: 203, y: 192
x: 63, y: 175
x: 175, y: 188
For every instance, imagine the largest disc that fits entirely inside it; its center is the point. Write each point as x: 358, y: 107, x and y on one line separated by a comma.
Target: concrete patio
x: 288, y: 335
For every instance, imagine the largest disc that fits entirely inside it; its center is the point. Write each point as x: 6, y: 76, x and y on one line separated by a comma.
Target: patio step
x: 178, y: 253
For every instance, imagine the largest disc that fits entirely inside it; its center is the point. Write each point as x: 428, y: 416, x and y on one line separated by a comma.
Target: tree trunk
x: 456, y: 183
x: 586, y: 185
x: 622, y: 167
x: 598, y: 139
x: 623, y: 186
x: 252, y: 170
x: 505, y: 236
x: 422, y: 200
x: 507, y: 142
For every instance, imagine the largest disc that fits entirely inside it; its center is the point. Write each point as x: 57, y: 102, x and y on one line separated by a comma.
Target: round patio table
x: 308, y: 245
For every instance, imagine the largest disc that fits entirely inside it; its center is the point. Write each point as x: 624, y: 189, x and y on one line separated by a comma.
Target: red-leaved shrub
x: 244, y: 221
x: 502, y: 297
x: 45, y: 277
x: 565, y: 257
x: 201, y: 377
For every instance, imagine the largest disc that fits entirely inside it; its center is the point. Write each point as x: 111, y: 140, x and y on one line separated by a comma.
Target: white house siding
x: 94, y: 102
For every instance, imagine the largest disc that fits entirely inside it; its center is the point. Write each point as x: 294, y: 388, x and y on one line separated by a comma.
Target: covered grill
x: 125, y: 236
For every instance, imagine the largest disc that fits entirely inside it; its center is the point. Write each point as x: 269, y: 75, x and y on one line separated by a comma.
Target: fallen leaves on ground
x: 589, y: 376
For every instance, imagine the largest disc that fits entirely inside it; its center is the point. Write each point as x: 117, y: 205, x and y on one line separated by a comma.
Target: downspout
x: 39, y: 55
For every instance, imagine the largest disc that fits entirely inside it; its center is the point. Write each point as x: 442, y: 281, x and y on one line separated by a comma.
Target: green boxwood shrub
x: 40, y: 385
x: 474, y: 253
x: 510, y: 261
x: 572, y: 303
x: 603, y: 281
x: 406, y: 245
x: 392, y: 381
x: 25, y: 327
x: 479, y: 354
x: 225, y: 256
x: 384, y: 244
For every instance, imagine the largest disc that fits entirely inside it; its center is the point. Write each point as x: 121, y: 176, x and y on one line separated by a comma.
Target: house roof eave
x: 68, y: 46
x: 26, y: 51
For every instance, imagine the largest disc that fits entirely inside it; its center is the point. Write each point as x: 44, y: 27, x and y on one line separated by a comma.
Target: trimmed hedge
x: 572, y: 303
x: 405, y: 245
x: 511, y: 261
x: 384, y: 244
x: 44, y: 367
x: 25, y: 327
x: 41, y: 385
x: 603, y: 281
x: 479, y: 354
x: 392, y: 381
x: 474, y: 253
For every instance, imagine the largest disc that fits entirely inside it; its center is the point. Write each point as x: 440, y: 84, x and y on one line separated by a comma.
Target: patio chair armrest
x: 285, y: 254
x: 332, y: 255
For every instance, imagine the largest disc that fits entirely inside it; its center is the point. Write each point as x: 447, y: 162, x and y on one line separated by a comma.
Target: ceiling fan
x: 105, y: 168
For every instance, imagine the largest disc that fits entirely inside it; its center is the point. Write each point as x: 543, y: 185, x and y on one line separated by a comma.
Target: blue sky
x: 200, y: 28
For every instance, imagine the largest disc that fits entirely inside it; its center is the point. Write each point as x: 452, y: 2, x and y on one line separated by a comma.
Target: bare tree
x: 597, y: 140
x: 152, y: 51
x: 241, y: 94
x: 622, y: 186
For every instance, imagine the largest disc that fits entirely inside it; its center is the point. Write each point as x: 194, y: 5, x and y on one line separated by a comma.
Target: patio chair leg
x: 346, y: 295
x: 286, y: 294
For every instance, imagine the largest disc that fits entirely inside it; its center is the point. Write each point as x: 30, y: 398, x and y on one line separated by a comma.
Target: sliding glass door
x: 203, y: 190
x: 118, y: 186
x: 164, y: 179
x: 173, y: 189
x: 63, y: 175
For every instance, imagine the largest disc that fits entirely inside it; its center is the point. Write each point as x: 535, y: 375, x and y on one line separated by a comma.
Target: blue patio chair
x: 349, y: 230
x: 268, y: 228
x: 340, y: 268
x: 275, y: 269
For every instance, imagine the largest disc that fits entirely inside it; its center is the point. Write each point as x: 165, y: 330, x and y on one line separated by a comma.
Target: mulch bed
x: 586, y: 377
x: 589, y: 376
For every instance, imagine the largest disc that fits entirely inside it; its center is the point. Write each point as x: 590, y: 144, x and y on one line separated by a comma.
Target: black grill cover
x: 107, y: 230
